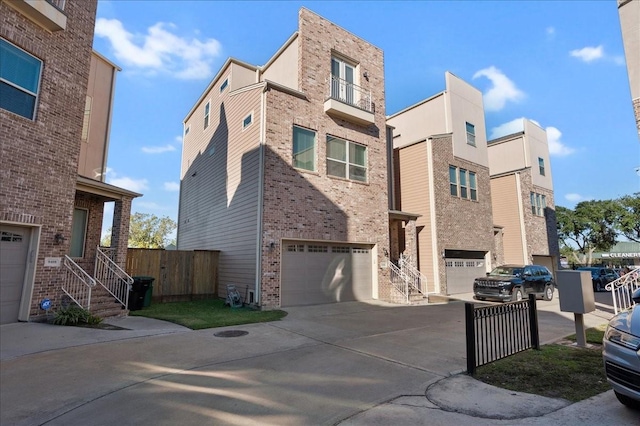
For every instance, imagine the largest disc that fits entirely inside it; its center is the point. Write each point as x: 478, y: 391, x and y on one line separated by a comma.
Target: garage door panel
x: 461, y: 273
x: 324, y: 273
x: 14, y: 247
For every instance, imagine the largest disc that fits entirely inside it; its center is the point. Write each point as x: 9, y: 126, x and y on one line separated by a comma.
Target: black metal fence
x: 495, y: 332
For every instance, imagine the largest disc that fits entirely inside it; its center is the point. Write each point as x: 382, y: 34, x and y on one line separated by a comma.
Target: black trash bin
x: 138, y: 292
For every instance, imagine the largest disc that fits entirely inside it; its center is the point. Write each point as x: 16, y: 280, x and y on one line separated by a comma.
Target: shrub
x: 75, y: 315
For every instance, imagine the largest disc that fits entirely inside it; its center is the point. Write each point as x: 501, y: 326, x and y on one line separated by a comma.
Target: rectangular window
x: 532, y: 197
x: 207, y: 108
x: 87, y: 118
x: 340, y: 249
x: 78, y: 232
x: 19, y: 80
x: 541, y: 165
x: 453, y: 181
x: 471, y: 134
x: 247, y: 121
x: 473, y: 186
x: 463, y: 183
x: 304, y: 149
x: 346, y: 159
x: 343, y: 81
x: 186, y: 130
x: 224, y: 85
x: 538, y: 204
x: 317, y: 249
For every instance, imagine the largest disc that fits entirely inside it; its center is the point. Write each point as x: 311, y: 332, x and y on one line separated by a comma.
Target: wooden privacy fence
x: 179, y: 274
x: 495, y: 332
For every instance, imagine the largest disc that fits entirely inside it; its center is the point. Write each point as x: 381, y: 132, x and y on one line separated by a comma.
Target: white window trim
x: 471, y: 137
x: 37, y: 94
x: 224, y: 85
x: 207, y: 114
x: 348, y: 163
x: 250, y: 117
x: 315, y: 149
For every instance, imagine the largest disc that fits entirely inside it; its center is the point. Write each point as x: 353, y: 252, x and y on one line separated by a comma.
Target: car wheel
x: 548, y: 292
x: 629, y: 402
x: 517, y: 295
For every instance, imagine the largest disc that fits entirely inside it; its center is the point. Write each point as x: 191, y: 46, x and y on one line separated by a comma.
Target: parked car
x: 621, y: 346
x: 600, y: 276
x: 515, y: 282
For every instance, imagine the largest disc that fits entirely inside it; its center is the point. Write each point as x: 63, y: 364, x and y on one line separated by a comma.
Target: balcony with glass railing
x: 349, y: 101
x: 49, y: 14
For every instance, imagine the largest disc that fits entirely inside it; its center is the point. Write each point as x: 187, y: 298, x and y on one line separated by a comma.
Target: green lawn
x: 208, y: 313
x: 556, y: 371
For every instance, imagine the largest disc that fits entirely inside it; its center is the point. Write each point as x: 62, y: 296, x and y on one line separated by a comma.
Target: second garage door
x: 14, y: 247
x: 315, y: 273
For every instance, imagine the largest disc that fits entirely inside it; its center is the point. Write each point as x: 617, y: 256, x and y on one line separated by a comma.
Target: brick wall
x: 39, y: 159
x: 312, y: 205
x: 461, y: 224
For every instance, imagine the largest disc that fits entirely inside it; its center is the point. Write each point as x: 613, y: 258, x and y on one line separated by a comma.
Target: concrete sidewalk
x: 348, y: 363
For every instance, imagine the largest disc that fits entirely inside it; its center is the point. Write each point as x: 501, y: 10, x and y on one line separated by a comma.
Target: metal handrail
x: 77, y: 283
x: 622, y: 289
x: 399, y: 281
x: 350, y: 93
x: 112, y: 277
x: 418, y: 280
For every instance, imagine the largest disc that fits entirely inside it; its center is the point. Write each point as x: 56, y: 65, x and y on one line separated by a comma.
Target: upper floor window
x: 224, y: 85
x: 19, y: 80
x: 247, y: 121
x: 346, y: 159
x: 471, y: 134
x: 463, y: 183
x: 538, y: 204
x: 343, y: 76
x: 186, y: 130
x: 541, y: 165
x: 304, y: 148
x: 207, y: 108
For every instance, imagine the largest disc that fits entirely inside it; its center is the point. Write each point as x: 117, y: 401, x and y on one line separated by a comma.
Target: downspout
x: 108, y: 130
x: 263, y: 132
x: 432, y: 218
x: 523, y: 236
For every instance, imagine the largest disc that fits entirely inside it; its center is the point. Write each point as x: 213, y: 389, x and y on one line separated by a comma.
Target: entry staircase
x: 410, y: 284
x: 106, y: 293
x: 622, y: 289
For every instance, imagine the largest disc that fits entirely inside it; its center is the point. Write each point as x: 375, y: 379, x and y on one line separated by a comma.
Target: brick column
x: 120, y: 230
x: 411, y: 241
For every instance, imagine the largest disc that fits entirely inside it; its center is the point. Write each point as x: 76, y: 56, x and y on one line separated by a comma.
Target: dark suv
x: 600, y: 276
x: 514, y: 282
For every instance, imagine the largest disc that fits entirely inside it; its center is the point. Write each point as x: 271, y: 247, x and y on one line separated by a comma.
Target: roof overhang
x: 102, y: 189
x: 398, y: 215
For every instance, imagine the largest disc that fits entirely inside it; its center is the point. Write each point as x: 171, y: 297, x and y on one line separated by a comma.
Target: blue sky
x: 559, y: 63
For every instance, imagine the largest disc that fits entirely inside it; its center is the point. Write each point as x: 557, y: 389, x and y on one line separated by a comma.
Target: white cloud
x: 551, y: 32
x: 171, y: 186
x: 588, y: 54
x: 509, y: 128
x: 178, y: 139
x: 158, y: 149
x: 576, y: 198
x: 135, y: 185
x: 556, y: 146
x: 160, y: 50
x: 502, y: 91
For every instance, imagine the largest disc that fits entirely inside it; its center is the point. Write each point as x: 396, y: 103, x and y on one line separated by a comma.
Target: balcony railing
x: 350, y: 94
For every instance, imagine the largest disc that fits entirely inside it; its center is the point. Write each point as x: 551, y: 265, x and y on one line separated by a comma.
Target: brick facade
x: 461, y: 224
x: 312, y: 205
x: 39, y: 158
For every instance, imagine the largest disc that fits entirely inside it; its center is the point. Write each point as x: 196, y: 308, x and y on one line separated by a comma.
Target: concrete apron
x: 319, y: 365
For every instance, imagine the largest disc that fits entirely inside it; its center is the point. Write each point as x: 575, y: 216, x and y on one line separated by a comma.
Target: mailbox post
x: 576, y: 295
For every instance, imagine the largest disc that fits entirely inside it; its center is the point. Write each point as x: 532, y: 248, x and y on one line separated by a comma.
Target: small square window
x: 186, y: 130
x: 471, y: 134
x: 224, y: 85
x: 247, y: 121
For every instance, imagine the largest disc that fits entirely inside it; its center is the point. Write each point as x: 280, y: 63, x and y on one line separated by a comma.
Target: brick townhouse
x: 54, y: 124
x: 284, y: 170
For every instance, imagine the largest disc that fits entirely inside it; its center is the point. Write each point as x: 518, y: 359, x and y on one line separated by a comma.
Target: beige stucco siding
x: 414, y: 197
x: 240, y: 77
x: 283, y: 69
x: 419, y: 122
x: 464, y: 105
x: 629, y: 22
x: 508, y: 155
x: 536, y: 142
x: 506, y: 213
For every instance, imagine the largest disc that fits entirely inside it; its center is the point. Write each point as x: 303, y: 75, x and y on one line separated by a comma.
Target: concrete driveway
x: 319, y: 365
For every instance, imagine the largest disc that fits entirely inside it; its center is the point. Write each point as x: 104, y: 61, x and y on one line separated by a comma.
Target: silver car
x: 621, y: 354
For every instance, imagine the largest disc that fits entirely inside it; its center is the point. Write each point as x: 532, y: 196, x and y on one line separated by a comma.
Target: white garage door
x: 461, y: 273
x: 14, y: 247
x: 314, y: 273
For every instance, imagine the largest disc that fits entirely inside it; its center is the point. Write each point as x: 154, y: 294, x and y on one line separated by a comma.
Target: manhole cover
x: 231, y: 333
